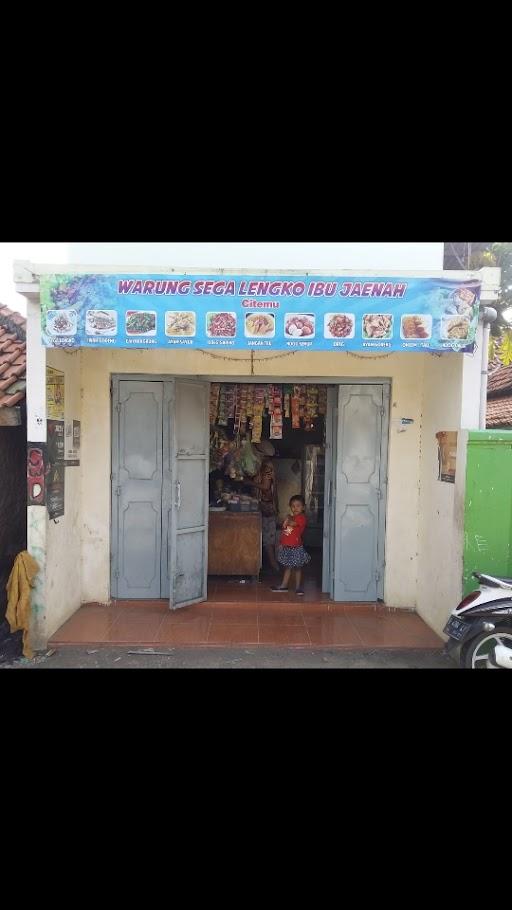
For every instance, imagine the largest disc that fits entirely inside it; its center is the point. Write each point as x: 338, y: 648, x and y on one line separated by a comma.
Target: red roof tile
x: 11, y: 376
x: 499, y: 412
x: 7, y: 401
x: 500, y: 380
x: 13, y: 357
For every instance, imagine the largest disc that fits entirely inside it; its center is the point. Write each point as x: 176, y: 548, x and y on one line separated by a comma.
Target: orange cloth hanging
x: 19, y: 585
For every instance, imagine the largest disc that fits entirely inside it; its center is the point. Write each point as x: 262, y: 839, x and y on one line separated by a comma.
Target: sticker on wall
x: 55, y: 490
x: 72, y: 443
x: 55, y: 436
x: 447, y: 455
x: 37, y: 471
x: 54, y: 394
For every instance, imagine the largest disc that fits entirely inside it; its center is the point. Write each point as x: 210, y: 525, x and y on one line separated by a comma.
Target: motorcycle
x: 480, y: 627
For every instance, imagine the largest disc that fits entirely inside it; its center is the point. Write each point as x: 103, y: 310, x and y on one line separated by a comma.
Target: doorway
x: 160, y: 490
x: 271, y: 434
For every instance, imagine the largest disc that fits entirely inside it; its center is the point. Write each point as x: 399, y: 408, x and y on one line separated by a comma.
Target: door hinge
x: 377, y: 575
x: 118, y: 407
x: 118, y: 491
x: 378, y: 493
x: 382, y: 411
x: 116, y: 573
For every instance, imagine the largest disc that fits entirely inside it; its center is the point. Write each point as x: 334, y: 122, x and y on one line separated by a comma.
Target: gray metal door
x: 186, y: 450
x: 360, y: 492
x: 136, y: 489
x: 331, y: 434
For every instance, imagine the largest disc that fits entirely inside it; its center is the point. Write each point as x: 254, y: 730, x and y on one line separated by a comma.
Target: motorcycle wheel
x: 474, y: 655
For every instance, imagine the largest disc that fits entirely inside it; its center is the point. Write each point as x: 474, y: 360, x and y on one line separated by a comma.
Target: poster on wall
x: 329, y: 313
x: 54, y: 394
x: 447, y: 455
x: 55, y: 438
x: 56, y: 474
x: 38, y: 468
x: 55, y: 490
x: 72, y: 443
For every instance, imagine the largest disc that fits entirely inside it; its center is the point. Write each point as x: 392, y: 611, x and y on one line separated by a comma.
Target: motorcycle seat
x: 494, y: 581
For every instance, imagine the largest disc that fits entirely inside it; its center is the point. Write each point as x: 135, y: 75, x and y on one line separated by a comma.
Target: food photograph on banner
x: 274, y: 313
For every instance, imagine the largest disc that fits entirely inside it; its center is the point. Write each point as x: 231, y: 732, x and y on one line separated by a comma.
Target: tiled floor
x: 247, y: 614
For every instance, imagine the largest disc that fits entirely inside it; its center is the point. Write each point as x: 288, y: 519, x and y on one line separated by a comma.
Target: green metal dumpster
x: 488, y: 505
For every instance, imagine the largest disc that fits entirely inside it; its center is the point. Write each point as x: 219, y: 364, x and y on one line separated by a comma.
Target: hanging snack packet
x: 295, y: 413
x: 257, y: 425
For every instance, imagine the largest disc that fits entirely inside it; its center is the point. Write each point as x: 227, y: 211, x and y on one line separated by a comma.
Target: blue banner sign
x: 259, y: 312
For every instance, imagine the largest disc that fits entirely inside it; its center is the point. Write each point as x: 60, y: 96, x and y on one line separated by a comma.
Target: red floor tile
x: 99, y: 608
x: 315, y: 597
x: 84, y: 629
x: 280, y: 601
x: 416, y: 632
x: 233, y: 633
x: 362, y: 609
x: 188, y: 614
x: 136, y: 628
x: 231, y: 613
x: 379, y: 631
x: 277, y: 634
x: 310, y: 608
x: 266, y: 595
x: 266, y: 618
x: 332, y: 630
x: 275, y: 613
x: 409, y: 621
x: 193, y: 632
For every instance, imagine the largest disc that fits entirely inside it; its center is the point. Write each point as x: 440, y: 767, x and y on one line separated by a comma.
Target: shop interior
x: 251, y: 424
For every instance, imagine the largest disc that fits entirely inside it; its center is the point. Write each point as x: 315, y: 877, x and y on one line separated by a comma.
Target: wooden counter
x: 234, y: 543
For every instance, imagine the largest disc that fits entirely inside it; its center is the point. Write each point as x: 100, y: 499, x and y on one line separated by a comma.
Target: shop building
x: 128, y: 436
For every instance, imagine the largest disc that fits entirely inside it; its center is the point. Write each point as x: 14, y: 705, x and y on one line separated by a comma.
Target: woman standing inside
x: 265, y: 483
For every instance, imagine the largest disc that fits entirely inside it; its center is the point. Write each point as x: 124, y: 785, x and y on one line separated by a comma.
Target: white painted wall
x: 36, y: 432
x: 56, y: 545
x: 301, y: 256
x: 63, y: 536
x: 439, y: 542
x: 451, y: 400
